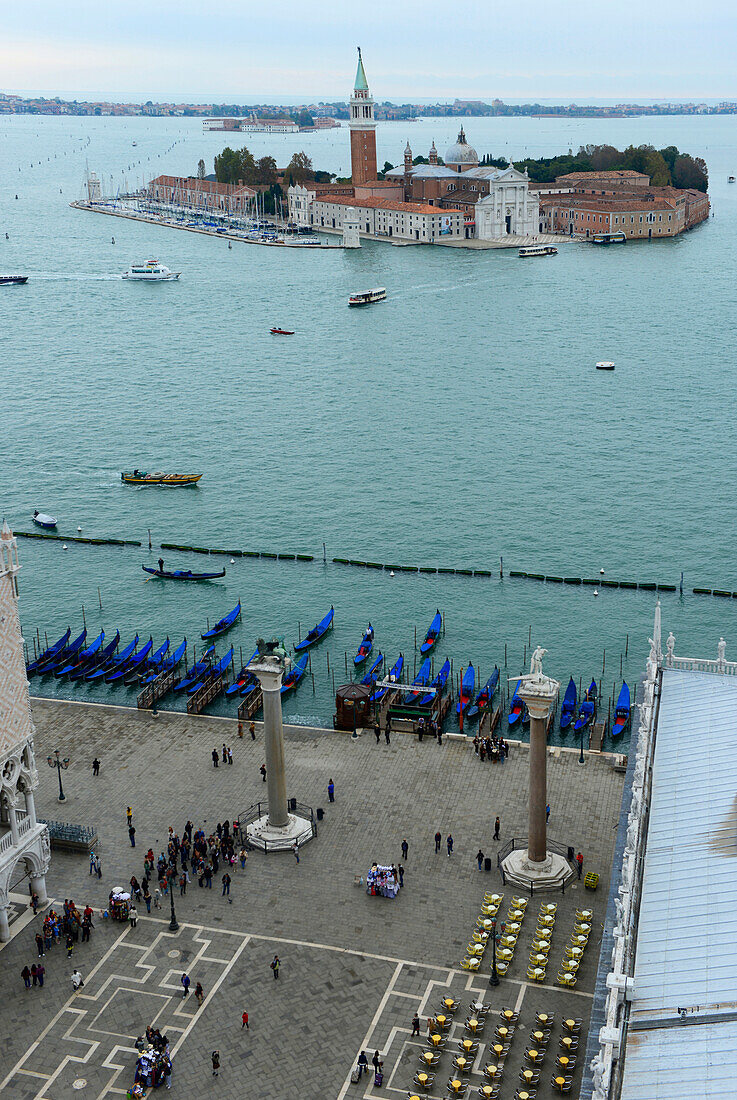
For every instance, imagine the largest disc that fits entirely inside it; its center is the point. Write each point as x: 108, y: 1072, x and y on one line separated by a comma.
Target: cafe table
x: 538, y: 973
x: 576, y: 952
x: 541, y: 959
x: 549, y: 907
x: 564, y: 1062
x: 449, y: 1003
x: 436, y: 1039
x: 534, y: 1056
x: 523, y: 1095
x: 503, y: 1032
x: 527, y: 1076
x: 467, y: 1045
x: 586, y: 914
x: 538, y: 1036
x: 513, y: 927
x: 422, y: 1080
x: 427, y: 1056
x: 543, y: 1018
x: 570, y: 1025
x: 476, y: 948
x: 462, y: 1064
x: 516, y: 914
x: 507, y: 1013
x: 484, y: 923
x: 441, y: 1020
x: 504, y: 953
x: 491, y: 1070
x: 559, y: 1082
x: 486, y: 1090
x: 472, y: 1023
x: 567, y: 1042
x: 455, y: 1085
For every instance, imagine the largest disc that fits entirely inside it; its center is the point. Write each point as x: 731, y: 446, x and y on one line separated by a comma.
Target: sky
x: 418, y: 49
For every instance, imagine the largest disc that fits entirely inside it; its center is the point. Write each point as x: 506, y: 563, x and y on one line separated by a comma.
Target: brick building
x: 205, y: 195
x: 386, y: 219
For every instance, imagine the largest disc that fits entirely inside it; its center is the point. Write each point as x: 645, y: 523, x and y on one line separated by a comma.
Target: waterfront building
x: 619, y: 177
x: 663, y: 1023
x: 363, y: 129
x: 386, y: 219
x: 206, y: 196
x: 23, y: 839
x: 641, y: 214
x: 252, y: 125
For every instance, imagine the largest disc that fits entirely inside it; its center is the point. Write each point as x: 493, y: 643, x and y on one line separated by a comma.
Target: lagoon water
x: 460, y: 421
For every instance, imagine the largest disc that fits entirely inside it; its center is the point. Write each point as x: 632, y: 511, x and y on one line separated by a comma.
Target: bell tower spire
x: 362, y: 127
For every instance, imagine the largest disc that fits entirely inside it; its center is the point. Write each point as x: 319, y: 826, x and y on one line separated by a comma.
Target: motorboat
x: 41, y: 519
x: 378, y: 294
x: 605, y: 364
x: 151, y: 272
x: 282, y: 332
x: 141, y: 477
x: 537, y: 250
x: 13, y: 280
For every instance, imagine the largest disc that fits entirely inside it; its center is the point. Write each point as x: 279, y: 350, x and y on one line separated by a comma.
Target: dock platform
x: 598, y: 733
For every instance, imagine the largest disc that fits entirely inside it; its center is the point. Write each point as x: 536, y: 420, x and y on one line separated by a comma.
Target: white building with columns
x: 23, y: 841
x: 509, y: 209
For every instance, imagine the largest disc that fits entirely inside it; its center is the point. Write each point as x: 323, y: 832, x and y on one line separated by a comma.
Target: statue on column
x: 536, y: 661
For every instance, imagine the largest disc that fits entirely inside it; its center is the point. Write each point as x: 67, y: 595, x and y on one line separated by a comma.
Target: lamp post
x: 173, y: 923
x: 494, y: 979
x: 580, y: 755
x: 61, y: 764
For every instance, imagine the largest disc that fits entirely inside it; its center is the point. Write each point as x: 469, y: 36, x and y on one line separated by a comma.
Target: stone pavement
x: 354, y: 968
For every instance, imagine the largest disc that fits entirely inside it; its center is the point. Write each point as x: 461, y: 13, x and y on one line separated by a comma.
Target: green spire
x: 361, y: 84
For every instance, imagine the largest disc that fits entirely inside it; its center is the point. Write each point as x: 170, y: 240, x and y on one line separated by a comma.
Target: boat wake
x: 71, y: 275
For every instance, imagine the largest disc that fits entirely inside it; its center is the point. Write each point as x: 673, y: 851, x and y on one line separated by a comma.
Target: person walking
x: 449, y: 844
x: 225, y: 754
x: 69, y: 945
x: 132, y: 835
x: 157, y: 898
x: 133, y: 915
x: 405, y: 849
x: 226, y: 884
x: 147, y: 898
x: 95, y: 766
x: 377, y: 731
x: 331, y: 791
x: 215, y: 758
x: 547, y: 813
x: 415, y: 1024
x: 34, y: 903
x: 26, y: 976
x: 400, y: 872
x: 252, y: 731
x: 579, y: 863
x: 98, y: 867
x: 480, y: 859
x: 244, y: 1022
x: 129, y: 815
x: 388, y: 730
x: 40, y: 945
x: 275, y: 964
x: 262, y: 769
x: 92, y: 862
x: 438, y: 839
x: 377, y: 1062
x: 86, y: 926
x: 40, y: 971
x: 243, y: 857
x: 215, y: 1061
x: 185, y: 980
x: 34, y: 974
x: 199, y: 994
x: 439, y: 732
x: 182, y: 884
x: 295, y: 849
x: 362, y: 1063
x: 77, y: 980
x: 230, y: 755
x: 167, y: 1072
x: 497, y: 827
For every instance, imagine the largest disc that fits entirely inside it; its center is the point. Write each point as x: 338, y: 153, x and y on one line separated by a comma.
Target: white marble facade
x: 22, y: 839
x: 508, y: 209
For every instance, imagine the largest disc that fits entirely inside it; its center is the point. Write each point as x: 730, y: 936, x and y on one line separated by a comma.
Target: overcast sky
x: 574, y: 50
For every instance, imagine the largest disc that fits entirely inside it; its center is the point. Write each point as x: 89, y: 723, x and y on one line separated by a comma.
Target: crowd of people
x: 67, y: 928
x: 491, y: 748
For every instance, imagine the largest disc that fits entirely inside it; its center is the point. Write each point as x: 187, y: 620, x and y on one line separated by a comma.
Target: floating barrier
x: 599, y: 582
x: 75, y: 538
x: 426, y: 569
x: 234, y: 553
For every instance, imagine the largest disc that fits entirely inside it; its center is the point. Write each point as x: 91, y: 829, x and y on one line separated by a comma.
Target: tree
x: 300, y: 168
x: 304, y: 118
x: 387, y: 167
x: 657, y: 170
x: 690, y: 171
x: 235, y: 164
x: 266, y: 170
x: 604, y: 157
x: 201, y: 170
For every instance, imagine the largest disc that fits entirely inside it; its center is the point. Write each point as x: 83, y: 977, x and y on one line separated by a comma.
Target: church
x: 440, y: 202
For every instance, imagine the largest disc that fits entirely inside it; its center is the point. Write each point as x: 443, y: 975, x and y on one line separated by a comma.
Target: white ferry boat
x: 151, y: 272
x: 378, y: 294
x: 538, y: 250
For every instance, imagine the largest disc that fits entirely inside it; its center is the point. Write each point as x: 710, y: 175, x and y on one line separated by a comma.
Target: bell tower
x: 363, y: 129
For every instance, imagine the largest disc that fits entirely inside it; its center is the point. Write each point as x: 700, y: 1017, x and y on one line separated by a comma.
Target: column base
x: 549, y: 874
x: 279, y: 838
x: 4, y: 925
x: 38, y: 885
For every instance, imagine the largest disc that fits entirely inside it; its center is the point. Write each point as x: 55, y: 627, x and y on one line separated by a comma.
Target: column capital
x: 269, y: 671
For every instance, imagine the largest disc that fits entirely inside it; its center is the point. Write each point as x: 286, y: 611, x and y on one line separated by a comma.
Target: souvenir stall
x: 120, y: 902
x: 151, y: 1069
x: 382, y: 881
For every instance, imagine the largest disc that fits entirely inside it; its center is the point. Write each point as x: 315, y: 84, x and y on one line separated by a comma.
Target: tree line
x: 666, y: 167
x: 234, y: 165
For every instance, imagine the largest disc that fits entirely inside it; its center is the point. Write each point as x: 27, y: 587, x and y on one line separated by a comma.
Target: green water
x: 457, y: 422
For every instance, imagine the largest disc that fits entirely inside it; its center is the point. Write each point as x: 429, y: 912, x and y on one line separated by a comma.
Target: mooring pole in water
x: 603, y: 663
x: 328, y: 656
x: 627, y: 645
x: 84, y: 621
x: 324, y: 555
x: 346, y: 661
x: 501, y: 567
x: 149, y: 538
x: 681, y: 585
x: 99, y: 597
x: 299, y: 633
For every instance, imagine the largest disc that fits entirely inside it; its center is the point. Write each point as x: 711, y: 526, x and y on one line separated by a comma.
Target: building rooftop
x: 614, y: 173
x: 384, y: 204
x: 206, y: 186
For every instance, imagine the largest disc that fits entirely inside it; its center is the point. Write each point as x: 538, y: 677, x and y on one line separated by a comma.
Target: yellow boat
x: 141, y: 477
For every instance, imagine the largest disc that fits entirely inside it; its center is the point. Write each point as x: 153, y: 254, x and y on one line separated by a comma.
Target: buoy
x: 64, y: 546
x: 232, y: 561
x: 392, y: 573
x: 596, y: 591
x: 79, y: 528
x: 601, y: 571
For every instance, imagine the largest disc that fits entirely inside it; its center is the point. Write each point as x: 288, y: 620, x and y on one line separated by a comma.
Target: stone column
x: 31, y: 807
x: 13, y: 821
x: 537, y: 834
x: 269, y: 671
x: 4, y: 925
x: 38, y: 885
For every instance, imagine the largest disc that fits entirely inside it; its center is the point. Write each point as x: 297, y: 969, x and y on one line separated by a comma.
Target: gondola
x: 41, y: 519
x: 373, y: 673
x: 422, y: 679
x: 622, y: 711
x: 135, y: 662
x: 395, y: 674
x: 465, y: 696
x: 166, y: 665
x: 181, y: 574
x: 49, y: 654
x: 516, y: 709
x: 197, y: 669
x: 216, y: 670
x: 587, y: 710
x: 568, y: 708
x: 113, y: 665
x: 294, y: 675
x: 244, y: 677
x: 225, y: 623
x: 68, y: 653
x: 484, y: 697
x: 83, y: 658
x: 316, y: 633
x: 438, y: 682
x: 365, y: 647
x: 102, y: 657
x: 433, y: 633
x: 137, y: 670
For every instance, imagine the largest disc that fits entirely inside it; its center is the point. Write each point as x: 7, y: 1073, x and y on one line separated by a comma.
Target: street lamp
x: 494, y: 979
x: 60, y: 765
x: 173, y: 923
x: 580, y: 755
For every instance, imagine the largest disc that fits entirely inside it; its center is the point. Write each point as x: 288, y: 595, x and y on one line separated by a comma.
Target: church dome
x: 462, y: 154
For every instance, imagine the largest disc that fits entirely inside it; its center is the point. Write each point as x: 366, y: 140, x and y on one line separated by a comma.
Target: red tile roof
x: 614, y: 173
x: 385, y: 204
x: 209, y: 187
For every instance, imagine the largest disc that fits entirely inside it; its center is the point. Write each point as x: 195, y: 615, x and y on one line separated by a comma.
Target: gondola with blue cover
x: 465, y: 695
x: 433, y: 633
x: 438, y: 682
x: 517, y: 708
x: 197, y: 670
x: 622, y: 711
x: 83, y: 659
x: 103, y: 656
x: 135, y: 661
x: 49, y: 654
x: 217, y: 670
x: 373, y: 673
x: 587, y: 710
x: 422, y: 679
x: 317, y: 633
x: 166, y: 664
x: 295, y: 674
x: 69, y: 653
x: 244, y: 678
x: 568, y: 707
x: 114, y: 664
x: 181, y: 574
x: 365, y: 647
x: 484, y: 697
x: 395, y: 675
x: 224, y: 624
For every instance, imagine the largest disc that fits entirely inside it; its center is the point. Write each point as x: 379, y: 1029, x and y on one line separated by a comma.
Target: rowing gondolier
x: 161, y: 565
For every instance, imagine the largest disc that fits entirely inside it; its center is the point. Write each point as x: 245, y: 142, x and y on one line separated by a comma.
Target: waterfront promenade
x: 354, y: 968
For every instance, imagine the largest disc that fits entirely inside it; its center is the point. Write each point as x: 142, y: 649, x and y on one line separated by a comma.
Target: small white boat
x: 378, y: 294
x: 151, y: 272
x: 605, y: 364
x: 41, y: 519
x: 537, y: 250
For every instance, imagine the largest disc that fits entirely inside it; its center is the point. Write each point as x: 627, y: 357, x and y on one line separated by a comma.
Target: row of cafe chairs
x: 512, y: 929
x: 541, y: 942
x: 575, y: 948
x: 480, y: 935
